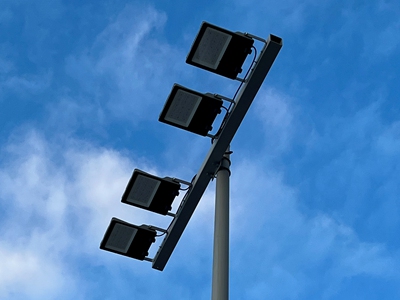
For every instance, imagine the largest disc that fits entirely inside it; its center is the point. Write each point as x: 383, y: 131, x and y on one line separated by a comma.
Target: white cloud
x: 354, y: 165
x: 57, y: 206
x: 31, y: 275
x: 363, y: 27
x: 387, y: 43
x: 126, y: 71
x: 58, y: 201
x: 285, y: 248
x: 388, y: 142
x: 60, y: 198
x: 32, y: 85
x: 285, y: 16
x: 276, y: 112
x: 24, y: 84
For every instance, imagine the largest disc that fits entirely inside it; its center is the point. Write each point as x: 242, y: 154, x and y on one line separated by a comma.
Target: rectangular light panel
x: 211, y: 48
x: 121, y: 238
x: 143, y: 190
x: 183, y: 108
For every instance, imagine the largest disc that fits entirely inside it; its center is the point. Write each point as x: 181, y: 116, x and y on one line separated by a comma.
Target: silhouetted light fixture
x: 128, y: 239
x: 219, y: 50
x: 190, y: 110
x: 151, y: 192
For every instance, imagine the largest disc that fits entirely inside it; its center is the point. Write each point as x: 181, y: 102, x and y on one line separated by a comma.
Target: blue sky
x: 315, y: 182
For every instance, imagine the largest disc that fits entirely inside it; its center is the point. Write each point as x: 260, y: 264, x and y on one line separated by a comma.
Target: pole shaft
x: 220, y: 275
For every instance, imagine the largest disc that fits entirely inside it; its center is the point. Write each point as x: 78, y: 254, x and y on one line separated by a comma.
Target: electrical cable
x: 237, y: 91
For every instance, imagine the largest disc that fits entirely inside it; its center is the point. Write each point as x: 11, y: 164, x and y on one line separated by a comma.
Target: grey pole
x: 220, y: 274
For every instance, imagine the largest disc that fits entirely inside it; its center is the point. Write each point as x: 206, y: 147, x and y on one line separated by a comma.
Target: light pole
x: 222, y: 52
x: 220, y: 271
x: 209, y: 167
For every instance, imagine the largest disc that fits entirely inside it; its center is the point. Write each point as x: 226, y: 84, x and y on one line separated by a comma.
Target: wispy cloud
x: 56, y: 206
x: 292, y: 245
x: 314, y: 185
x: 31, y: 275
x: 60, y: 198
x: 23, y: 85
x: 57, y: 201
x: 126, y: 71
x: 276, y: 112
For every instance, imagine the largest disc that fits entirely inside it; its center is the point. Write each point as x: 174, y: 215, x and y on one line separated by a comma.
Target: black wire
x: 237, y: 91
x: 247, y: 73
x: 158, y: 235
x: 226, y: 108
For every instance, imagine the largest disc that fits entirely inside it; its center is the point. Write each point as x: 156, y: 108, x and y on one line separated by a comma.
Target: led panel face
x: 211, y: 48
x: 128, y: 239
x: 183, y: 108
x: 121, y: 238
x: 143, y: 190
x: 190, y: 110
x: 220, y: 51
x: 150, y: 192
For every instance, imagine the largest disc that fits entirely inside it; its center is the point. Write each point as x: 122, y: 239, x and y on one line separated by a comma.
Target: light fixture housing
x: 127, y: 239
x: 151, y: 192
x: 219, y: 50
x: 190, y: 110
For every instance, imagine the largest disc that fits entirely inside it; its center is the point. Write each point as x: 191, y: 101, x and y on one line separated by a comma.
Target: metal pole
x: 220, y: 275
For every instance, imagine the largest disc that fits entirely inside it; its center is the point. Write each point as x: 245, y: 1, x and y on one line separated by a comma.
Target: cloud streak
x: 125, y: 71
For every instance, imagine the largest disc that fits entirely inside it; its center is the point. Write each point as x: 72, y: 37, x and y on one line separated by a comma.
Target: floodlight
x: 128, y: 239
x: 151, y: 192
x: 190, y: 110
x: 219, y: 50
